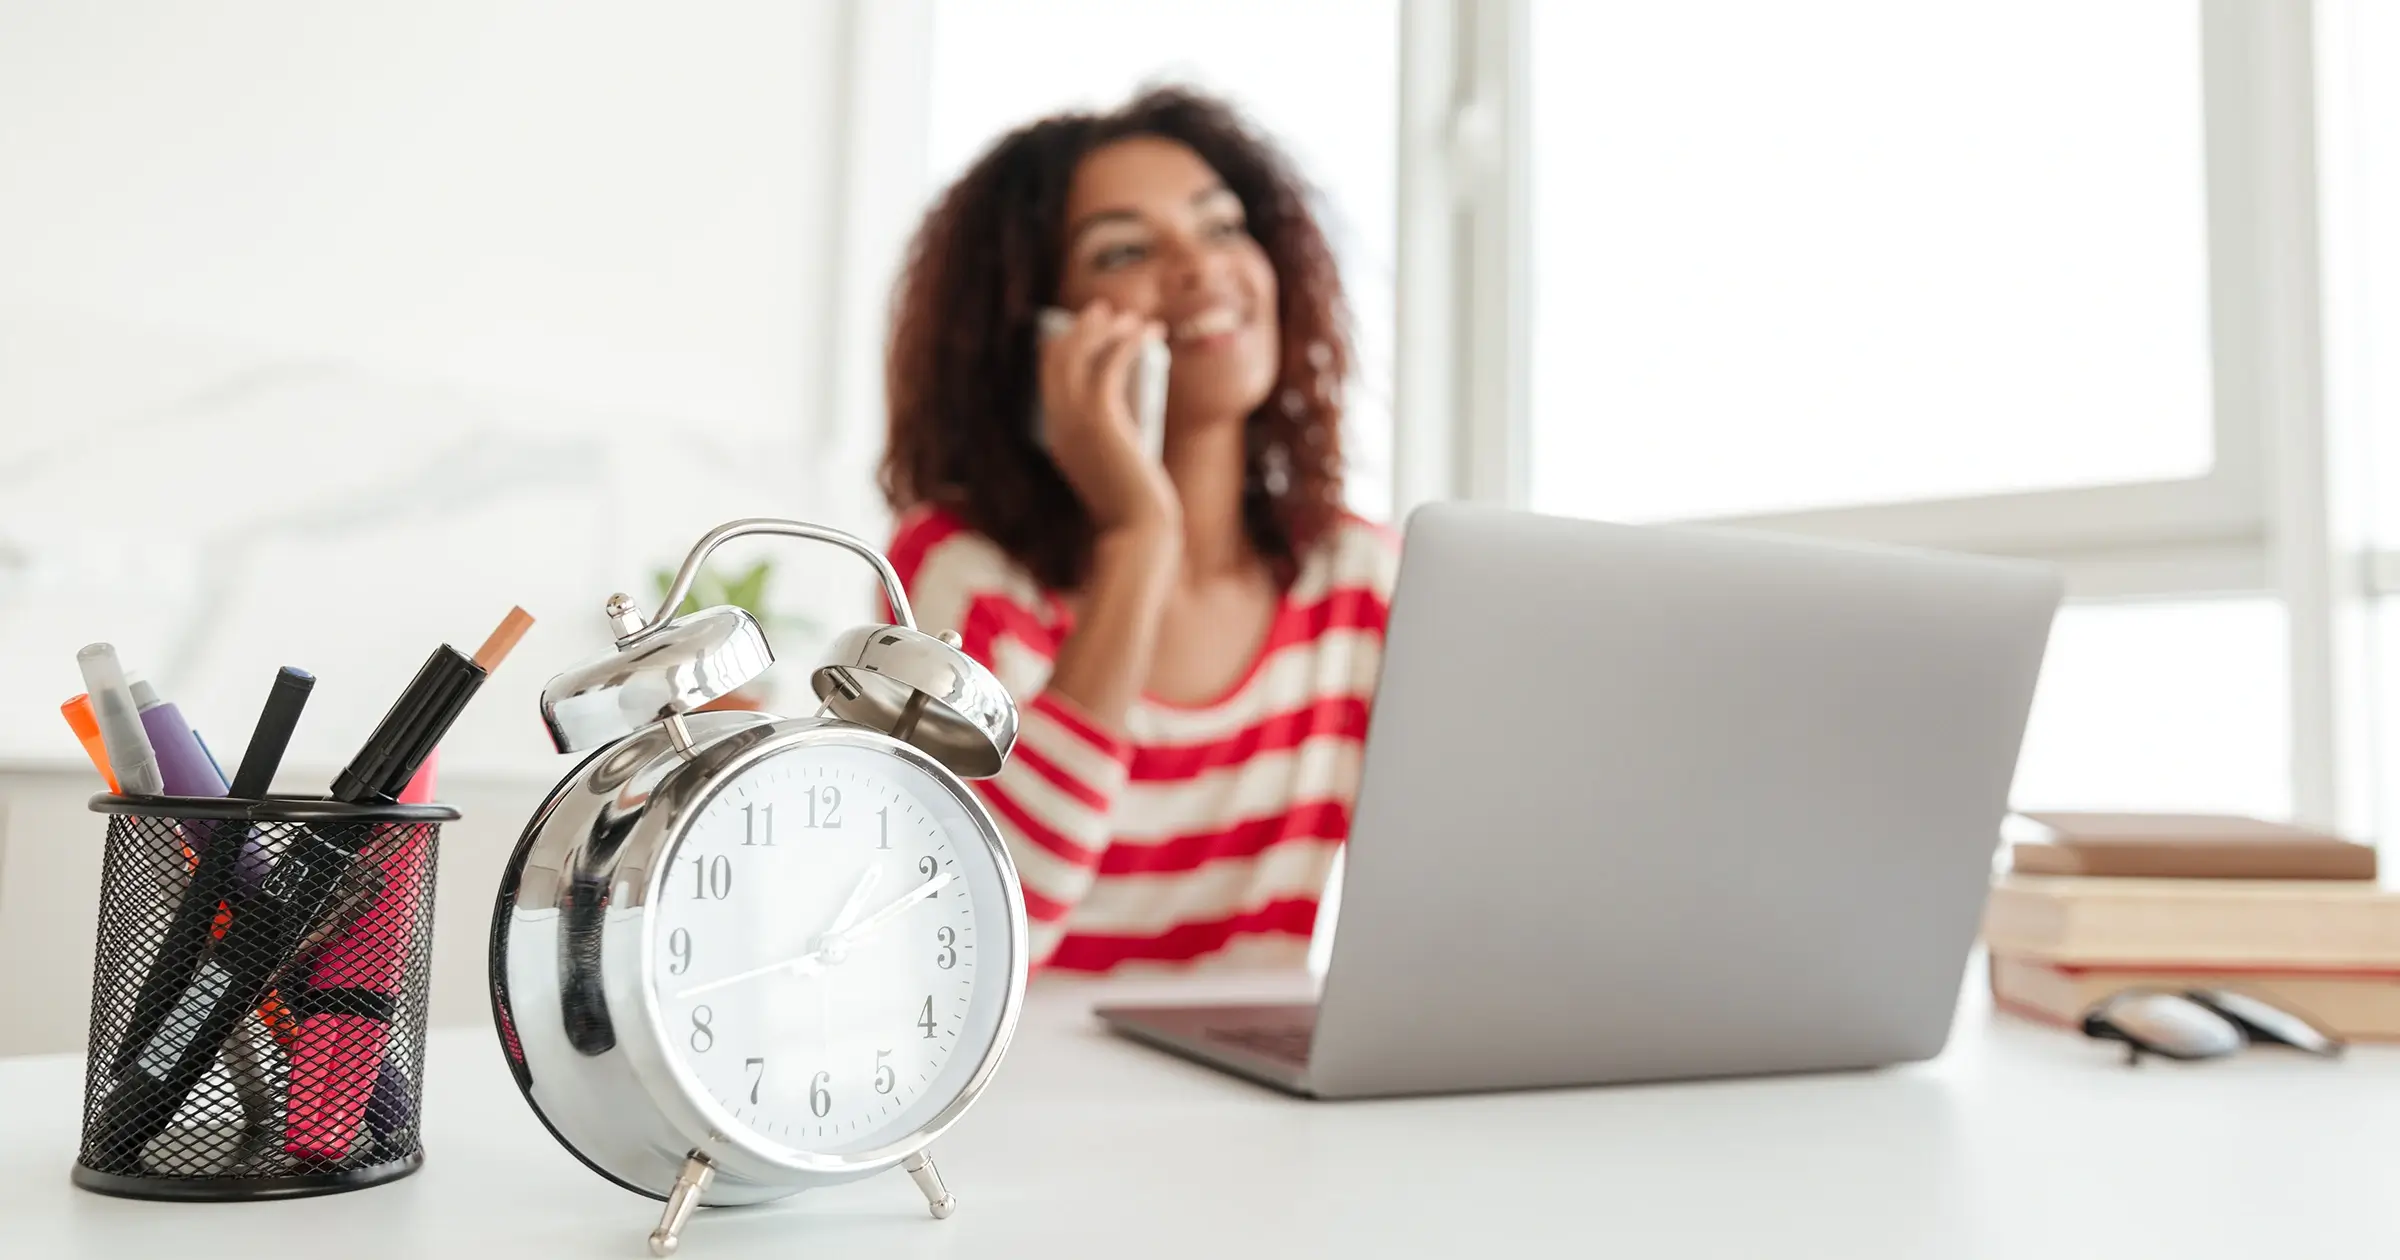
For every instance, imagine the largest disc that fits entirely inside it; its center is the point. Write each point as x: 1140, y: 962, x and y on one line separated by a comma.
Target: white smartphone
x: 1146, y: 389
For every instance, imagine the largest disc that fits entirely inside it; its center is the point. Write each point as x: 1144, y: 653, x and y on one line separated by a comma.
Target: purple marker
x: 388, y: 1111
x: 182, y: 762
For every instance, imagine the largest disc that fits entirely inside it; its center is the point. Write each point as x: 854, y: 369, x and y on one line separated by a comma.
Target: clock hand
x: 807, y: 964
x: 834, y: 942
x: 857, y: 901
x: 833, y: 947
x: 893, y: 911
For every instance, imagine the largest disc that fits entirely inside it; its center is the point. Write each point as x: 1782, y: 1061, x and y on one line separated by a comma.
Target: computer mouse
x: 2166, y: 1024
x: 2261, y: 1021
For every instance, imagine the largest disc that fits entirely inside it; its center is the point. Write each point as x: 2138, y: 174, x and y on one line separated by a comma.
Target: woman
x: 1192, y: 640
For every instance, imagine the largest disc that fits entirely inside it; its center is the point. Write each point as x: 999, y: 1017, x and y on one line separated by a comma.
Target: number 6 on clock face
x: 833, y: 943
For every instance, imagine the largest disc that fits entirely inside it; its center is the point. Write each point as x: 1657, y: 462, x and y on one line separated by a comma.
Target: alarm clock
x: 735, y: 955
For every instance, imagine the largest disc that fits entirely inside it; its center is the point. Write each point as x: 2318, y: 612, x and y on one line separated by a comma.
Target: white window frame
x: 1464, y: 194
x: 2335, y: 571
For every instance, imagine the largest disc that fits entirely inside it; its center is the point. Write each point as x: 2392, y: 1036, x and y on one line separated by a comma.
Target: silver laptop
x: 1648, y: 803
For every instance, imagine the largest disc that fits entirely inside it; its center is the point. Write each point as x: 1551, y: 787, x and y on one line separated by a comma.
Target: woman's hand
x: 1093, y: 436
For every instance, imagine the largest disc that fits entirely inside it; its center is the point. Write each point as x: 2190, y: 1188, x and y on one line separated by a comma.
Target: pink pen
x: 337, y: 1056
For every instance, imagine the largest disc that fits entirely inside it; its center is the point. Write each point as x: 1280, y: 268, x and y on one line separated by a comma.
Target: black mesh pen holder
x: 259, y: 985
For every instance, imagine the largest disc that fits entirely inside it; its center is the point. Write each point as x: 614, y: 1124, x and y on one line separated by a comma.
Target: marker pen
x: 120, y: 721
x: 337, y: 1057
x: 338, y: 1066
x: 225, y: 871
x: 183, y: 765
x: 225, y: 989
x: 211, y: 754
x: 389, y: 1111
x: 87, y: 733
x: 340, y: 1081
x: 286, y: 697
x: 423, y: 714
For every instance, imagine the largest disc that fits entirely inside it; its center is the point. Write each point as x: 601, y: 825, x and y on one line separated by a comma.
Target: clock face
x: 831, y: 948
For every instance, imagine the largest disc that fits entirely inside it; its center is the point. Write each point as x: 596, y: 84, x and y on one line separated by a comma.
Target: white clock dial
x: 829, y: 951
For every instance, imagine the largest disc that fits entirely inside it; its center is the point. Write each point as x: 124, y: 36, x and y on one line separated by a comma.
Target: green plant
x: 746, y: 590
x: 710, y: 588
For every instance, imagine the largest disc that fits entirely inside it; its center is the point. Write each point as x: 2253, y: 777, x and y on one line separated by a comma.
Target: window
x: 1859, y: 251
x: 1319, y: 75
x: 2041, y: 279
x: 2167, y: 705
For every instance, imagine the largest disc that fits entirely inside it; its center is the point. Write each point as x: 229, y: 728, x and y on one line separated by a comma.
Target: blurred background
x: 329, y: 332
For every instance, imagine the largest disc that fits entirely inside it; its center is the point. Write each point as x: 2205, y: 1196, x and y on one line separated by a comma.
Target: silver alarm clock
x: 737, y: 956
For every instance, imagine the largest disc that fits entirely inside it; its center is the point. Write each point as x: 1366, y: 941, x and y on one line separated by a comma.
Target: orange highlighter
x: 87, y: 729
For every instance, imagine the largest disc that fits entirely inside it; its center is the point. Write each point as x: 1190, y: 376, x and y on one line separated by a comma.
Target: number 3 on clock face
x: 830, y: 949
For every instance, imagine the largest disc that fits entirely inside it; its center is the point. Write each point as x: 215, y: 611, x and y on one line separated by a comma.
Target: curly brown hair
x: 960, y: 376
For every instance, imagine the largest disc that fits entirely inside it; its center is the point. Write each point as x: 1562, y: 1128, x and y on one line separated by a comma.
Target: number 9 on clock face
x: 830, y: 949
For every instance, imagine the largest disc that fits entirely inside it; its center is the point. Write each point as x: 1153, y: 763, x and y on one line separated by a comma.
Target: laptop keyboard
x: 1287, y: 1042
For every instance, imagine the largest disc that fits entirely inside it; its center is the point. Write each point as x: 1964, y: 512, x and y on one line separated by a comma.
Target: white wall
x: 328, y: 332
x: 616, y: 204
x: 376, y: 321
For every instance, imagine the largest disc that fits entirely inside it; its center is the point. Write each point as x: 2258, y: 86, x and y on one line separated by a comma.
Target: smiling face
x: 1152, y: 229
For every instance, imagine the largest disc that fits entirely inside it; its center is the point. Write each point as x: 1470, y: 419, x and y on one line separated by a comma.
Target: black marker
x: 274, y: 732
x: 216, y: 881
x: 423, y: 714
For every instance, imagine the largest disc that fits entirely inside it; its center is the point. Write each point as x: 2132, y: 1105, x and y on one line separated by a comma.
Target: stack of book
x: 2099, y: 903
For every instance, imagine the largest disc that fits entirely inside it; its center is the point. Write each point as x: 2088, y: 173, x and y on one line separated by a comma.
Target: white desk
x: 2018, y: 1142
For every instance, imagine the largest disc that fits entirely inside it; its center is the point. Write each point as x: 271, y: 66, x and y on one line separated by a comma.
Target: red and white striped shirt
x: 1200, y: 833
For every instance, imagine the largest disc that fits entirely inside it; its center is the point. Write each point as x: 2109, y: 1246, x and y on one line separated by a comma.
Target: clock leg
x: 697, y: 1173
x: 920, y: 1169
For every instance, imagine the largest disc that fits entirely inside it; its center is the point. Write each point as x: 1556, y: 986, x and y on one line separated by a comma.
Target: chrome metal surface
x: 689, y: 1186
x: 624, y: 616
x: 570, y: 958
x: 671, y: 668
x: 938, y: 1198
x: 678, y: 734
x: 920, y: 690
x: 690, y: 572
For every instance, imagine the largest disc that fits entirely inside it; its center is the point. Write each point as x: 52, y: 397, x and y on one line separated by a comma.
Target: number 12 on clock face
x: 823, y: 802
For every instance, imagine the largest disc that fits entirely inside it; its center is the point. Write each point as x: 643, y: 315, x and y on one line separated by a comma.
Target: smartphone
x: 1146, y: 386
